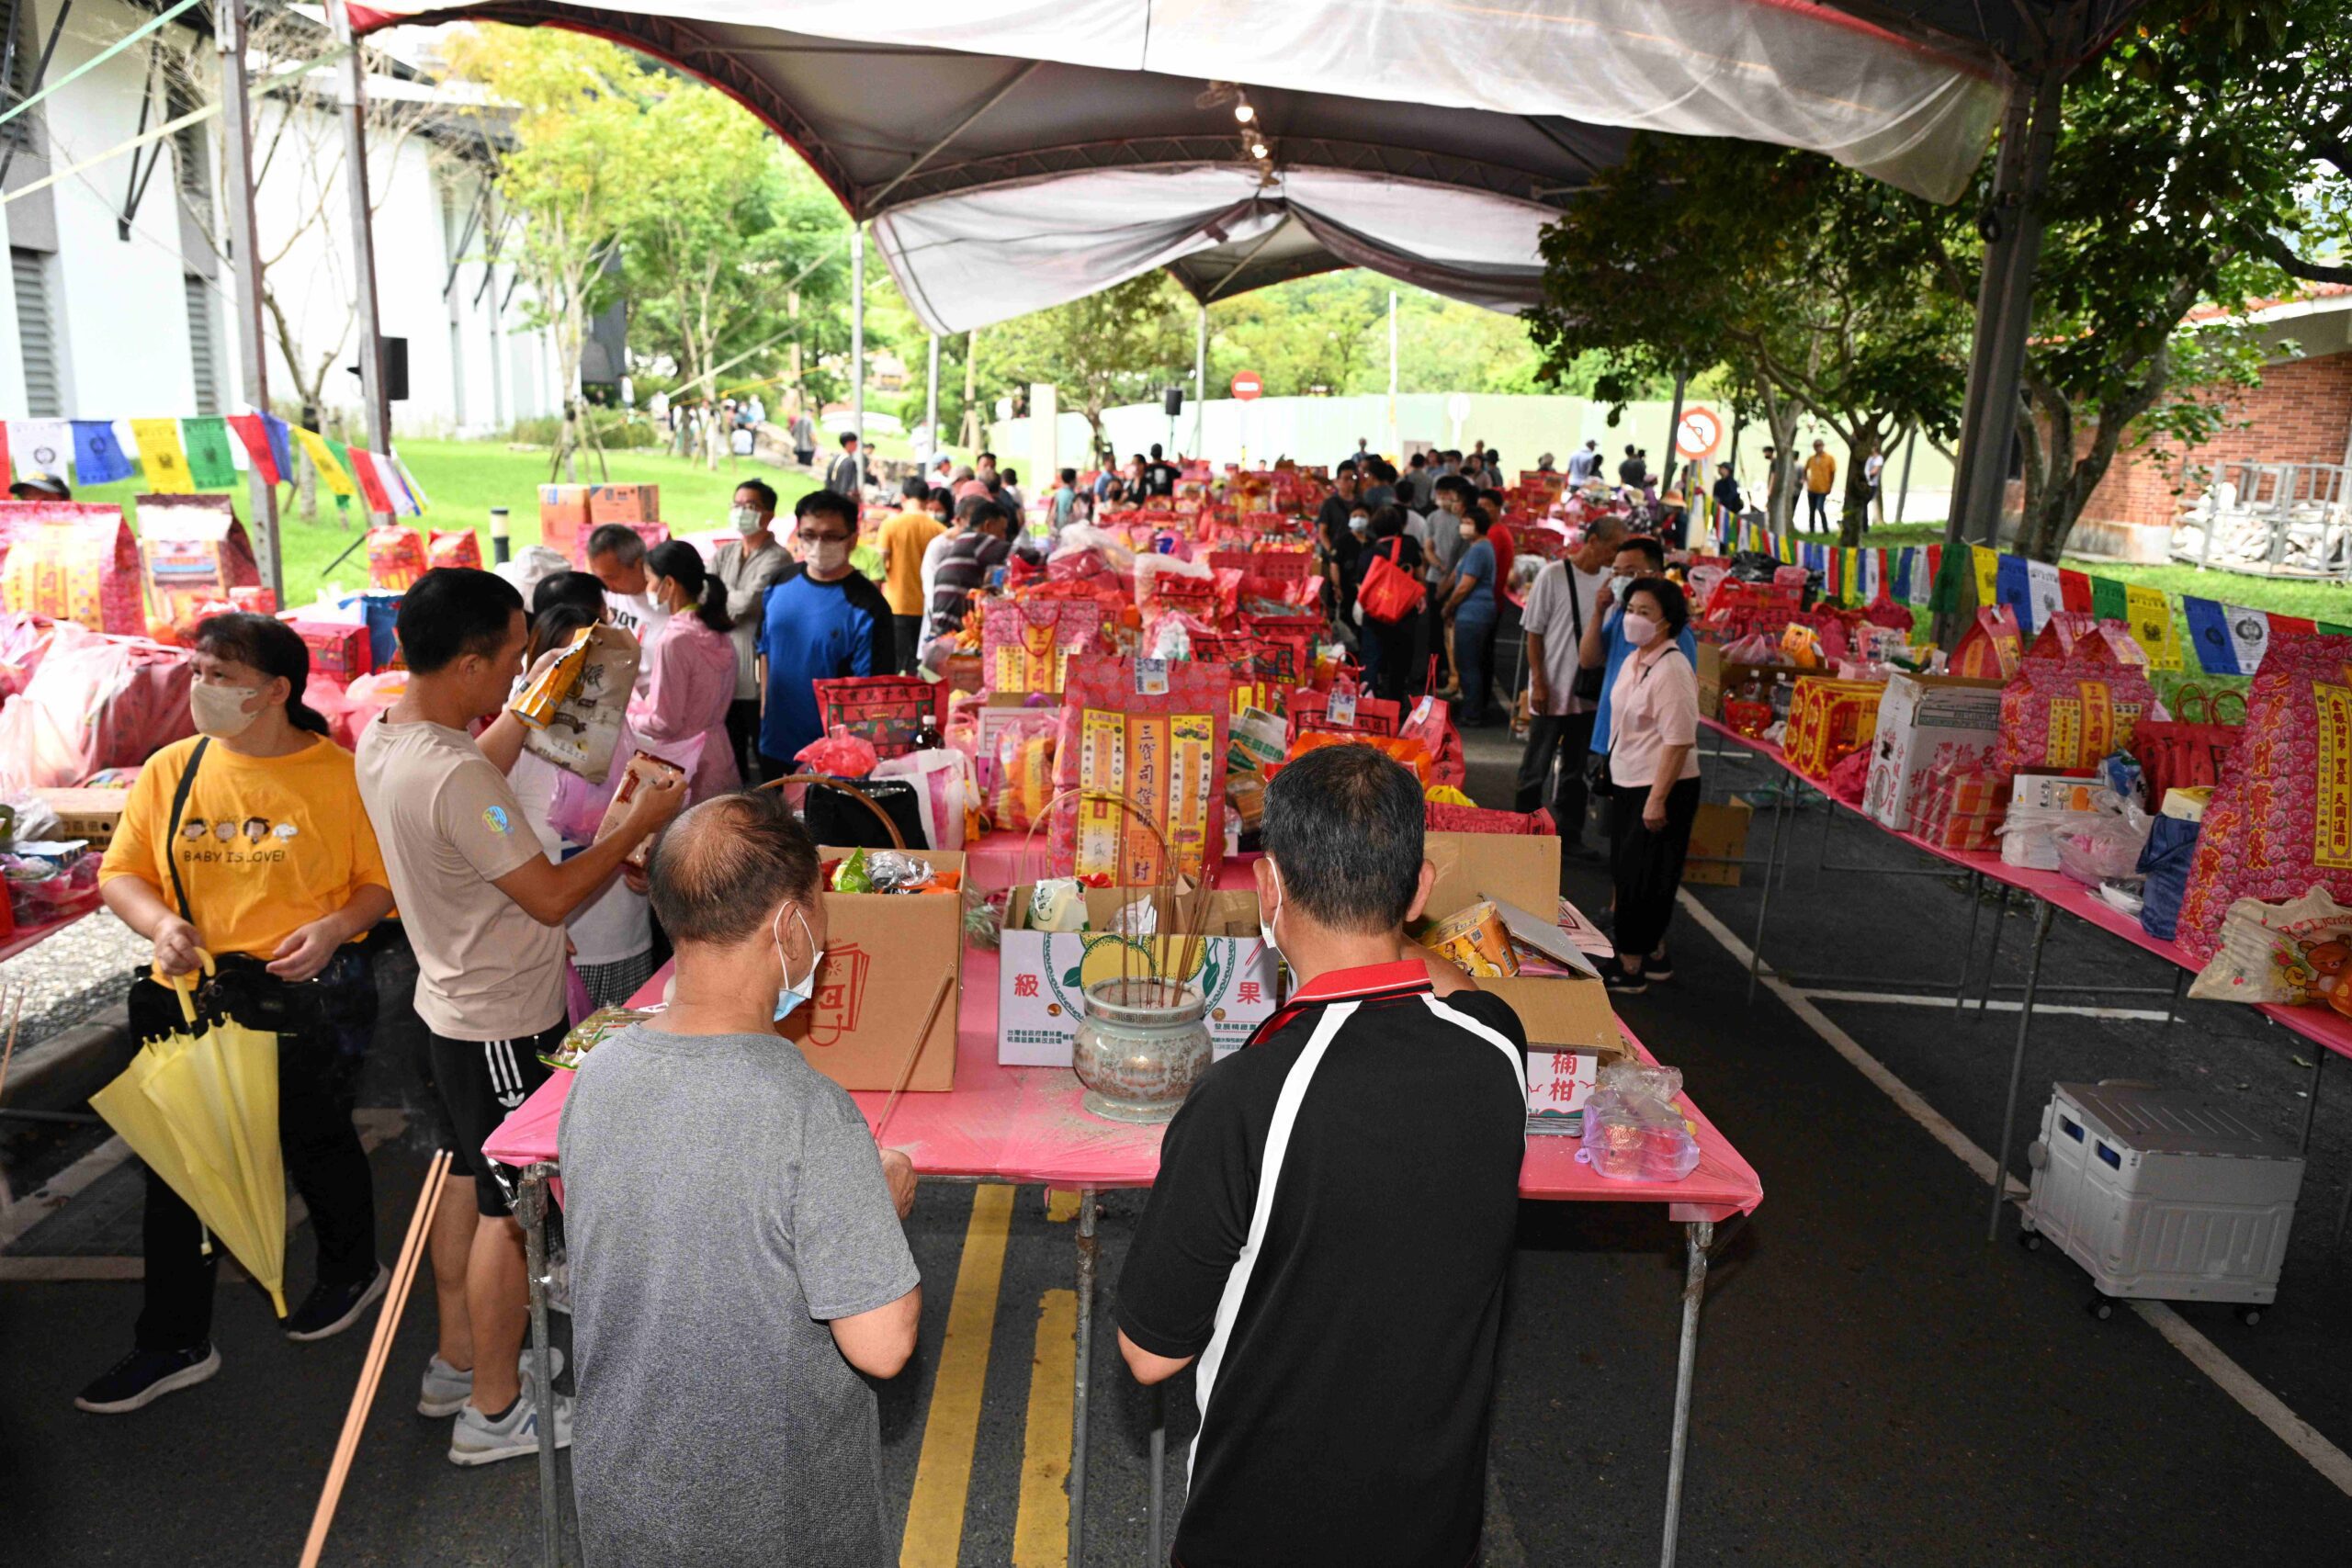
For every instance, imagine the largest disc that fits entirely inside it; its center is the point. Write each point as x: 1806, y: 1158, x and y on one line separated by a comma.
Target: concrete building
x: 122, y: 305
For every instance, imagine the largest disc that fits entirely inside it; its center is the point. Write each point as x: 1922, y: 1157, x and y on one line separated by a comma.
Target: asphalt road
x: 1875, y: 1382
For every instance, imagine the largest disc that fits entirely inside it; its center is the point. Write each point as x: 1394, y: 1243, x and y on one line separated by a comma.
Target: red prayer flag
x: 254, y: 436
x: 2074, y: 590
x: 371, y: 484
x: 7, y: 474
x: 2280, y: 623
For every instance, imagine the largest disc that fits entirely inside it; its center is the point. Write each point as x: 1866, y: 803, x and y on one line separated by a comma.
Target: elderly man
x: 1332, y: 1221
x: 1560, y: 705
x: 737, y: 1254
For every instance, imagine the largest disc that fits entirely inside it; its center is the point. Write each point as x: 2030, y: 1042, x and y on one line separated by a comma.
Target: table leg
x: 2311, y: 1109
x: 1701, y: 1235
x: 2172, y: 1007
x: 1764, y: 895
x: 2017, y: 1069
x: 531, y: 1209
x: 1159, y: 1471
x: 1821, y: 850
x: 1968, y: 948
x: 1992, y: 959
x: 1086, y: 1258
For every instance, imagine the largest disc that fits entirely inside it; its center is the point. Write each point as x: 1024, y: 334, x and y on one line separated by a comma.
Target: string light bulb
x: 1244, y: 111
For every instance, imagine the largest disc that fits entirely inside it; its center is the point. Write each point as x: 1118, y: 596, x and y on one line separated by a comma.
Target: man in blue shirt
x: 821, y: 620
x: 1636, y: 558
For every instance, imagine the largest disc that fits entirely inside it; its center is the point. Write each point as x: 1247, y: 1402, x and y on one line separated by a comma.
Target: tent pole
x: 931, y: 397
x: 858, y: 352
x: 378, y: 413
x: 1200, y: 385
x: 1673, y: 432
x: 1903, y: 493
x: 1395, y: 443
x: 244, y: 259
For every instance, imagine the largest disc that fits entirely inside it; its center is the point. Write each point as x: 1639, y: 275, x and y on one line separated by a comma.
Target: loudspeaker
x: 1172, y: 399
x: 395, y: 369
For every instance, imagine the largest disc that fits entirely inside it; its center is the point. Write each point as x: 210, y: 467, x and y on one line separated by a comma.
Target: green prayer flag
x: 2108, y: 601
x: 209, y: 466
x: 1952, y: 581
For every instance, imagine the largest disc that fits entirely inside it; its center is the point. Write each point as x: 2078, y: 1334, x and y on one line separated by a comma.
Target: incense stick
x: 914, y: 1054
x: 371, y: 1371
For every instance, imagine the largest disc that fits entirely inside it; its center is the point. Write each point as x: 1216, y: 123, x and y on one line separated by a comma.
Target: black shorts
x: 480, y: 1083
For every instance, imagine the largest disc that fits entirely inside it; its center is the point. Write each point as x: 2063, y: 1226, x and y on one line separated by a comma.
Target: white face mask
x: 1640, y: 630
x: 790, y: 997
x: 830, y: 557
x: 220, y: 711
x: 746, y: 521
x: 1359, y: 524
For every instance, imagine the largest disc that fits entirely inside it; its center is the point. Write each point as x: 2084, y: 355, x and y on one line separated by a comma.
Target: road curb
x: 64, y: 1070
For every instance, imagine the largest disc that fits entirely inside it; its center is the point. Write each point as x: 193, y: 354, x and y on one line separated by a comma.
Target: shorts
x: 480, y: 1083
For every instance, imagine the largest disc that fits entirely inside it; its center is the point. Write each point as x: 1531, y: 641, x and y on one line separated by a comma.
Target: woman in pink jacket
x: 690, y: 669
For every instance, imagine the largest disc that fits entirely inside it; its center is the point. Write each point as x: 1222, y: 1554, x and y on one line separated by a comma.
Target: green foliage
x: 1108, y: 348
x: 1328, y: 335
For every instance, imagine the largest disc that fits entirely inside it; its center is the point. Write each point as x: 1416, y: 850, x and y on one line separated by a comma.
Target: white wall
x: 121, y: 306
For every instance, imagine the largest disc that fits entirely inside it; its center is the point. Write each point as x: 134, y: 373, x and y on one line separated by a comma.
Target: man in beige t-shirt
x: 484, y: 910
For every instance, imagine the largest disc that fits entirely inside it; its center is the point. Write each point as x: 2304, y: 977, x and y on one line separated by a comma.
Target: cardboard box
x: 1558, y: 1084
x: 1924, y: 722
x: 1718, y: 845
x: 85, y: 813
x: 1572, y: 1014
x: 1718, y: 675
x: 883, y: 955
x: 624, y: 503
x: 563, y: 520
x: 1041, y: 980
x: 2052, y: 792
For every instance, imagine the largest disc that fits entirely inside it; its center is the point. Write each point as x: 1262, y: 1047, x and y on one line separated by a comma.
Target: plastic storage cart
x: 2163, y: 1194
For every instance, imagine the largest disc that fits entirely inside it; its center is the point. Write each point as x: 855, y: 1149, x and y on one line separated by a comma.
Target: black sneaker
x: 328, y: 1310
x: 145, y: 1376
x: 1657, y: 965
x: 1620, y: 981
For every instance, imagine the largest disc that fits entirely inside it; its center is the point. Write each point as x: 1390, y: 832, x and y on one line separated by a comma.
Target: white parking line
x: 1897, y: 999
x: 2207, y: 1356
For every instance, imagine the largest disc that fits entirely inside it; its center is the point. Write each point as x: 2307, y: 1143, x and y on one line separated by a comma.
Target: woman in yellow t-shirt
x: 248, y: 842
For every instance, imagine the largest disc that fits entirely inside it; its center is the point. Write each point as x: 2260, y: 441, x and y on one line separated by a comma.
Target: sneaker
x: 1620, y: 981
x: 446, y: 1389
x: 328, y: 1310
x: 1657, y: 965
x: 477, y: 1439
x: 145, y: 1376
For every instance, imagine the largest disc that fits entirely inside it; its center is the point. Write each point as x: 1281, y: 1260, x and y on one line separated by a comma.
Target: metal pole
x: 1968, y: 948
x: 1087, y: 1249
x: 1903, y: 494
x: 931, y: 397
x: 531, y: 1209
x: 1993, y: 958
x: 2016, y: 1070
x: 244, y: 260
x: 377, y: 413
x: 1200, y: 386
x: 1158, y: 1469
x: 2311, y: 1110
x: 1702, y: 1234
x: 1674, y: 425
x: 1395, y: 440
x: 857, y: 354
x: 1764, y: 896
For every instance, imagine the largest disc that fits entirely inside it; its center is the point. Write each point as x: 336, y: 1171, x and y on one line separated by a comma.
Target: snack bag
x: 584, y: 727
x: 2295, y: 953
x: 395, y: 559
x: 1476, y: 941
x: 453, y: 547
x: 643, y: 767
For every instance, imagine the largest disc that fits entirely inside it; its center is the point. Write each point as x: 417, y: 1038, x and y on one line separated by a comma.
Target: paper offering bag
x: 1155, y: 734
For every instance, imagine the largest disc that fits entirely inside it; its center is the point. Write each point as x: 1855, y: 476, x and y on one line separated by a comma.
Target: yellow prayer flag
x: 1988, y: 574
x: 2152, y: 625
x: 161, y: 455
x: 322, y: 457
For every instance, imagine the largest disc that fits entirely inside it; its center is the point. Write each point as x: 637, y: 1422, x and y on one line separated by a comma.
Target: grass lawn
x: 465, y: 479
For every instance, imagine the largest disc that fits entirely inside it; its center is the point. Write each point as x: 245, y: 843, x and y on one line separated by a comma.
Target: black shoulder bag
x: 1585, y: 687
x: 172, y: 831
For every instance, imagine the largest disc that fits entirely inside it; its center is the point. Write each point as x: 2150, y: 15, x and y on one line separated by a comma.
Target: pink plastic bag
x: 96, y: 701
x: 839, y: 755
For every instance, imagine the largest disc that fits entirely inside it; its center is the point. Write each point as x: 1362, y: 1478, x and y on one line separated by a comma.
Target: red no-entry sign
x: 1247, y: 385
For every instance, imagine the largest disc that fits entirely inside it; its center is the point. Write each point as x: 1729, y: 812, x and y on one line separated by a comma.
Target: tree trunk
x: 1780, y: 483
x: 1854, y: 519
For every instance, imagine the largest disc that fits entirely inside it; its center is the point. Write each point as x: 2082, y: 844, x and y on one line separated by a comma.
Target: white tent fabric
x: 1795, y: 72
x: 984, y: 257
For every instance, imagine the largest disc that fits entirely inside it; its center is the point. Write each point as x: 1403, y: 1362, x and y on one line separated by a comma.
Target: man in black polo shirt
x: 1332, y: 1221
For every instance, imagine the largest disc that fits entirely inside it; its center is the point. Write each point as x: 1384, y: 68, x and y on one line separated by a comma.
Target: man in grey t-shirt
x: 735, y: 1253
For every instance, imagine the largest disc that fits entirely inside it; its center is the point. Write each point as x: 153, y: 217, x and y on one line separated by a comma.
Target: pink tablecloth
x: 1024, y: 1124
x: 24, y: 937
x: 2321, y: 1027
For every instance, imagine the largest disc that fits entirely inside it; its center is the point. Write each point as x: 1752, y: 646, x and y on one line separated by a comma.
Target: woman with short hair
x: 1653, y: 777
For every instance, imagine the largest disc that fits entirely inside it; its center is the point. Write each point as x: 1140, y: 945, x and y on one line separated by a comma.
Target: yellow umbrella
x: 201, y: 1109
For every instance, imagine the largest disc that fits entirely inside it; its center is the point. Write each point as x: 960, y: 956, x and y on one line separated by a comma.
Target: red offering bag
x: 395, y: 559
x: 1388, y: 593
x: 455, y: 547
x: 1026, y: 644
x: 2188, y: 752
x: 2071, y: 711
x: 2281, y: 822
x: 889, y: 711
x: 1153, y: 734
x: 1312, y: 710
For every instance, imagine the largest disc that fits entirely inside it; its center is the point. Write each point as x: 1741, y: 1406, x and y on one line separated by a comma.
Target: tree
x: 1800, y: 279
x: 1107, y: 348
x: 573, y: 174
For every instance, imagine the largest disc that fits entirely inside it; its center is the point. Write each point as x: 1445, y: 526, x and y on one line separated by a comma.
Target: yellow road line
x: 1041, y: 1530
x: 943, y: 1473
x: 1061, y: 1204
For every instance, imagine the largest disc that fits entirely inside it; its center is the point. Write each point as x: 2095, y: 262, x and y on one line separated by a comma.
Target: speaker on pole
x: 1173, y: 401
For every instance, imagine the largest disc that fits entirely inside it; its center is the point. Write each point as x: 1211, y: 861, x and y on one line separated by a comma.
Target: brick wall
x: 2300, y: 413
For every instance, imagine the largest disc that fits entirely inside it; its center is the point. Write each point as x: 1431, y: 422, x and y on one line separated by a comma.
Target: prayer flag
x: 1988, y: 563
x: 281, y: 446
x: 2230, y: 638
x: 2075, y: 588
x: 1849, y: 576
x: 4, y: 469
x: 332, y: 472
x: 2042, y: 578
x: 2014, y: 587
x: 2109, y: 601
x: 253, y: 435
x: 2280, y: 623
x: 41, y: 445
x: 98, y: 457
x: 161, y: 455
x: 362, y: 464
x: 209, y: 461
x: 2148, y: 614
